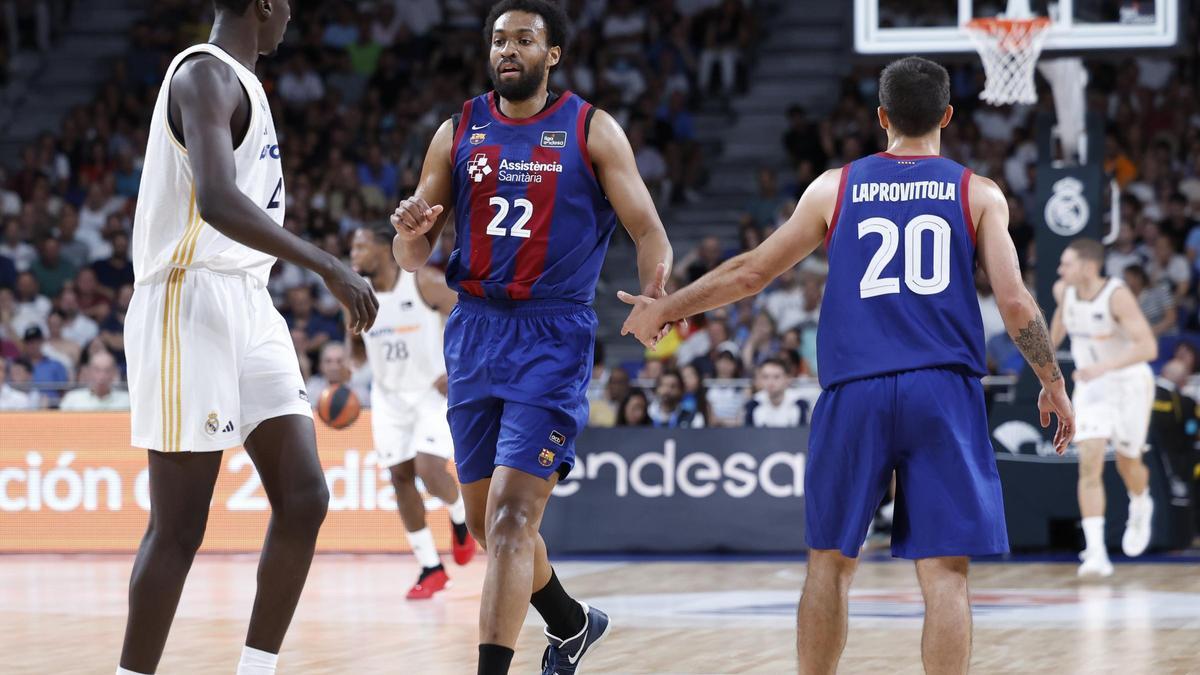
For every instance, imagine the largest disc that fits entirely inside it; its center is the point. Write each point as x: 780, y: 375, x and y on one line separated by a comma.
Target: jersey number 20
x: 872, y: 285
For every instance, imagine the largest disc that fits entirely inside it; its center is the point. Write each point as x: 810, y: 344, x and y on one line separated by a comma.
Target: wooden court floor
x: 65, y: 614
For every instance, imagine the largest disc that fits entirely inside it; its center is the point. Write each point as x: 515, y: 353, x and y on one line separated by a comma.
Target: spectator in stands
x: 701, y: 259
x: 695, y: 394
x: 775, y: 404
x: 15, y: 248
x: 73, y: 247
x: 12, y: 398
x: 50, y: 269
x: 333, y: 368
x: 377, y: 172
x: 683, y: 154
x: 802, y: 141
x: 94, y: 299
x: 300, y: 84
x: 47, y: 374
x: 606, y: 408
x: 701, y: 347
x: 1123, y: 252
x: 8, y: 273
x: 59, y: 347
x: 116, y: 270
x: 633, y: 412
x: 1177, y: 222
x: 762, y: 341
x: 1155, y: 300
x: 624, y: 27
x: 761, y: 210
x: 1170, y: 268
x: 726, y: 398
x: 101, y: 376
x: 796, y: 300
x: 726, y: 30
x: 32, y: 307
x: 650, y: 162
x: 364, y: 51
x: 301, y: 315
x: 77, y: 327
x: 666, y: 411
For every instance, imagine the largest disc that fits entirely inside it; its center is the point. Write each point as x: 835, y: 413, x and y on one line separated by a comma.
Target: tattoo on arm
x: 1034, y: 343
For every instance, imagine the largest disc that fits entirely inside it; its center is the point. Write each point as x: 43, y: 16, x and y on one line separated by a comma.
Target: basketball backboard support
x: 936, y: 26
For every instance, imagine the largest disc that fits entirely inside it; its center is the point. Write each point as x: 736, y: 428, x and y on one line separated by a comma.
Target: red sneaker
x: 429, y: 584
x: 463, y: 550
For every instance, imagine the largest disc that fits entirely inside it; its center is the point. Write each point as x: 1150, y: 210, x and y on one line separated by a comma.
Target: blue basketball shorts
x: 929, y: 427
x: 518, y: 375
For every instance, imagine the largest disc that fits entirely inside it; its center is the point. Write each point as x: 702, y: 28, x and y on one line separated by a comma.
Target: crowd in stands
x: 358, y: 88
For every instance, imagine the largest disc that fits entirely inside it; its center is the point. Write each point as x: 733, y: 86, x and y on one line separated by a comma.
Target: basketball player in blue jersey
x: 900, y: 350
x: 536, y: 182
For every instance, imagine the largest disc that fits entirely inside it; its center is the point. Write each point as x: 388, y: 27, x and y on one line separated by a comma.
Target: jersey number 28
x: 872, y: 284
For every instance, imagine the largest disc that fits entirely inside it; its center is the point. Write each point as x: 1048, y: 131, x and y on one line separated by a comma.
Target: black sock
x: 562, y: 614
x: 426, y: 571
x: 460, y: 532
x: 494, y: 659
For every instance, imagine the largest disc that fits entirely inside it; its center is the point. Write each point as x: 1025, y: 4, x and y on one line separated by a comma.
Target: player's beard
x: 524, y: 87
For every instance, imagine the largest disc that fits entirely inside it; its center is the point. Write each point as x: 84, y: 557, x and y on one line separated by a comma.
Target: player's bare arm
x: 431, y: 284
x: 745, y: 274
x: 206, y: 95
x: 420, y: 218
x: 1022, y: 316
x: 1142, y: 347
x: 617, y: 172
x: 1058, y: 329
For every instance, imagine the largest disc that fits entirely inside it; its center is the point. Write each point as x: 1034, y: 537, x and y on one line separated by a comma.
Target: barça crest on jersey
x: 478, y: 168
x: 554, y: 139
x: 545, y: 457
x: 476, y: 139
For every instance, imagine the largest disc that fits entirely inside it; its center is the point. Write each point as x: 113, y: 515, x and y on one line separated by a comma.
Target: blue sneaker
x: 562, y: 656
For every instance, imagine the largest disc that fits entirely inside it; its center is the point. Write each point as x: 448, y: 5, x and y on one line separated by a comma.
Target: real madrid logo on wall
x: 1067, y: 209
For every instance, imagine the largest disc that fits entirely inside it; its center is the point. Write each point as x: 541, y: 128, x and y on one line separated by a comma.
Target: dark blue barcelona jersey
x: 531, y: 218
x: 901, y: 288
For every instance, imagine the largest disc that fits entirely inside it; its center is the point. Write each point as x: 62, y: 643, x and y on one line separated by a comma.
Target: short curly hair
x: 555, y: 18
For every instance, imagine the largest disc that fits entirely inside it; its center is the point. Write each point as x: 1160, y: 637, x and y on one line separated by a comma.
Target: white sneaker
x: 1137, y: 528
x: 1095, y: 565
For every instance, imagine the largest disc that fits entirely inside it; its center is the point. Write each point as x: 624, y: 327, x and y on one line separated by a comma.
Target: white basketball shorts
x: 1116, y: 406
x: 403, y: 425
x: 209, y: 359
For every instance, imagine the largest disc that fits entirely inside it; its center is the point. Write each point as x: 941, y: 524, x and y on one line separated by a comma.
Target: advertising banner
x: 70, y: 482
x: 681, y: 490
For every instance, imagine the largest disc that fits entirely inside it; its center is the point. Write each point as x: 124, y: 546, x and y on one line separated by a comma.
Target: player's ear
x: 884, y: 123
x: 264, y: 9
x: 946, y: 116
x: 554, y: 56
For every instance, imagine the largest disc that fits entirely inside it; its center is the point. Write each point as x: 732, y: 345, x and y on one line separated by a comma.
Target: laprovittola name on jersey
x: 905, y: 192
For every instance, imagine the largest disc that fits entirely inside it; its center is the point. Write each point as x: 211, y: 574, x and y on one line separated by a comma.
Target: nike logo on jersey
x: 481, y: 126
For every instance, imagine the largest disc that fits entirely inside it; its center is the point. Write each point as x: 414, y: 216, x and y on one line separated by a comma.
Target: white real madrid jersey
x: 167, y: 229
x: 404, y: 347
x: 1095, y: 334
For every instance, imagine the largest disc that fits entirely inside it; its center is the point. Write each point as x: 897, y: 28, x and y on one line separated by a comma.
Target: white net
x: 1009, y: 49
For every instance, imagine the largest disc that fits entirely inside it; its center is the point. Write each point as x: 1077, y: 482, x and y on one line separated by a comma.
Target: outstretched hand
x: 643, y: 321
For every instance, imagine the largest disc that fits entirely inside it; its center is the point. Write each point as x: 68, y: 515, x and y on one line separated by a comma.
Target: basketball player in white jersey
x: 211, y: 362
x: 1111, y: 343
x: 408, y: 396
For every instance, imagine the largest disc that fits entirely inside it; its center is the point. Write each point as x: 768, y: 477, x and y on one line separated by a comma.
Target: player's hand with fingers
x: 1053, y: 400
x: 414, y: 217
x: 643, y: 321
x: 355, y: 294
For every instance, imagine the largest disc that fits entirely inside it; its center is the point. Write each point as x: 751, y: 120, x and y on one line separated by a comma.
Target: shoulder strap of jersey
x: 837, y: 207
x: 1110, y: 288
x: 243, y: 76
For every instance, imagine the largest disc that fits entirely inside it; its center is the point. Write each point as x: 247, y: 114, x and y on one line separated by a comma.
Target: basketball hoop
x: 1009, y: 49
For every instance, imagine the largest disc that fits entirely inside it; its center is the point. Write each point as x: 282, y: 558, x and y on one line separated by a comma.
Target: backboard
x: 935, y: 26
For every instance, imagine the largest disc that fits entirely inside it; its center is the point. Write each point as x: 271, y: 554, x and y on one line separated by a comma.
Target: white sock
x: 1093, y: 534
x: 257, y: 662
x: 124, y: 671
x: 458, y: 512
x: 1141, y: 500
x: 424, y: 548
